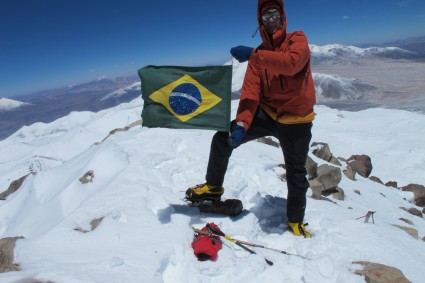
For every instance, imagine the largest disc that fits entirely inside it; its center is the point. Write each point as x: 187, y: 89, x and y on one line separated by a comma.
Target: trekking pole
x: 216, y: 231
x: 220, y: 233
x: 272, y: 249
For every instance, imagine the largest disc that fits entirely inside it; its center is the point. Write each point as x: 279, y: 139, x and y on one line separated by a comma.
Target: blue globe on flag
x: 185, y: 99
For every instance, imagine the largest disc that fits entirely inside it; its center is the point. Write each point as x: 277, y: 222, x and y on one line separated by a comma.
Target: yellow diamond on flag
x: 185, y: 98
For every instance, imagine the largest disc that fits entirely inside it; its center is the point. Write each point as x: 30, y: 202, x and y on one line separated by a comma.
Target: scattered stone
x: 13, y: 187
x: 339, y: 194
x: 391, y: 184
x: 357, y: 192
x: 329, y: 192
x: 362, y: 164
x: 342, y: 159
x: 350, y: 173
x: 94, y: 224
x: 329, y: 176
x: 268, y: 141
x: 7, y: 246
x: 376, y: 179
x: 335, y: 161
x: 126, y: 128
x: 322, y: 151
x: 407, y: 221
x: 411, y: 231
x: 380, y: 273
x: 88, y: 177
x: 311, y: 167
x: 316, y: 188
x: 415, y: 211
x: 419, y: 193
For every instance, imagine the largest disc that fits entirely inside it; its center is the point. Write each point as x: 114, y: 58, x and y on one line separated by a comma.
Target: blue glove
x: 241, y: 53
x: 236, y: 136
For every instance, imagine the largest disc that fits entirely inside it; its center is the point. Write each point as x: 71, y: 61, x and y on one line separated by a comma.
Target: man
x: 277, y: 99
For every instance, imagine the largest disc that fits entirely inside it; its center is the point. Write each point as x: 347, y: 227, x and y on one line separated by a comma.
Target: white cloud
x: 345, y: 17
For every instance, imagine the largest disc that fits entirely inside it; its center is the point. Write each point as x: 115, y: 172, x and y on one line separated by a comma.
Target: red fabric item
x: 278, y: 74
x: 205, y: 247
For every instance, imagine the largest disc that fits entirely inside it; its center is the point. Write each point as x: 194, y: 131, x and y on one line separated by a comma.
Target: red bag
x: 206, y: 247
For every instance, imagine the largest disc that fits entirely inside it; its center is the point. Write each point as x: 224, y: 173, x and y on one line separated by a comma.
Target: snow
x: 145, y: 235
x: 122, y: 91
x: 238, y: 74
x: 331, y: 50
x: 9, y: 104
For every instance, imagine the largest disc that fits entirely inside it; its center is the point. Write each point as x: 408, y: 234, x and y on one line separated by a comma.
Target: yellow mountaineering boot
x: 298, y: 229
x: 203, y: 192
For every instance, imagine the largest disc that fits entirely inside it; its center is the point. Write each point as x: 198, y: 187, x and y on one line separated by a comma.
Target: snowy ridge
x: 334, y: 87
x: 333, y: 50
x: 145, y: 232
x: 10, y: 104
x: 121, y: 91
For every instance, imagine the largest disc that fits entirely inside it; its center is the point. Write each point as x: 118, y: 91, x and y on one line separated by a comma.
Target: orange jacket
x: 278, y: 77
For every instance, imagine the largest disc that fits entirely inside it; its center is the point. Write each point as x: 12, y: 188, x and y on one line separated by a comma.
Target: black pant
x: 294, y: 140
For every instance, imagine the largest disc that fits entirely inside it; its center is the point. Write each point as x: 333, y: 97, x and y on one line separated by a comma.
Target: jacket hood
x: 278, y: 36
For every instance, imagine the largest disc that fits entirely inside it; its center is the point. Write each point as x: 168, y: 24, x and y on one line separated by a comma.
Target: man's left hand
x: 241, y: 53
x: 236, y: 136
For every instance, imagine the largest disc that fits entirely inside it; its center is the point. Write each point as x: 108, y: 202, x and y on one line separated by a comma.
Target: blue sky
x: 52, y: 43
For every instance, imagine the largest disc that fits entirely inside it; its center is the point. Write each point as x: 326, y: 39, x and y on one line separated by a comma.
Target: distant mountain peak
x: 336, y: 53
x: 10, y: 104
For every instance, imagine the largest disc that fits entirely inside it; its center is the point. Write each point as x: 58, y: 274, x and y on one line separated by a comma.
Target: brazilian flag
x: 186, y: 97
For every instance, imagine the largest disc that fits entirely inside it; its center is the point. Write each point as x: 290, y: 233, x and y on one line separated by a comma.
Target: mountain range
x: 346, y: 77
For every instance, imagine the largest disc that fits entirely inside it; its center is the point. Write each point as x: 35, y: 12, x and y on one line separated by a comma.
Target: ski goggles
x: 273, y: 13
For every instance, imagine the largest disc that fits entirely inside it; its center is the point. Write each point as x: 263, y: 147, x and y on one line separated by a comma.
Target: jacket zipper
x: 267, y: 80
x: 281, y: 82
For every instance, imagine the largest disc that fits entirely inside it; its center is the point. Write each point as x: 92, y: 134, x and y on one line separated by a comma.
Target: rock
x: 311, y: 167
x: 391, y: 184
x: 380, y: 273
x: 415, y: 211
x: 419, y: 193
x: 94, y: 224
x: 362, y: 164
x: 342, y: 159
x: 7, y: 246
x: 339, y: 194
x: 329, y: 176
x: 376, y: 179
x: 87, y: 177
x: 357, y: 192
x: 407, y: 221
x: 269, y: 141
x: 335, y: 161
x: 350, y: 173
x: 411, y: 231
x: 13, y: 187
x: 316, y: 188
x: 322, y: 151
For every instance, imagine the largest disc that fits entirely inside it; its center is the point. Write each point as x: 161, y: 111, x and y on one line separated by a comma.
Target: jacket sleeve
x: 250, y: 96
x: 286, y: 63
